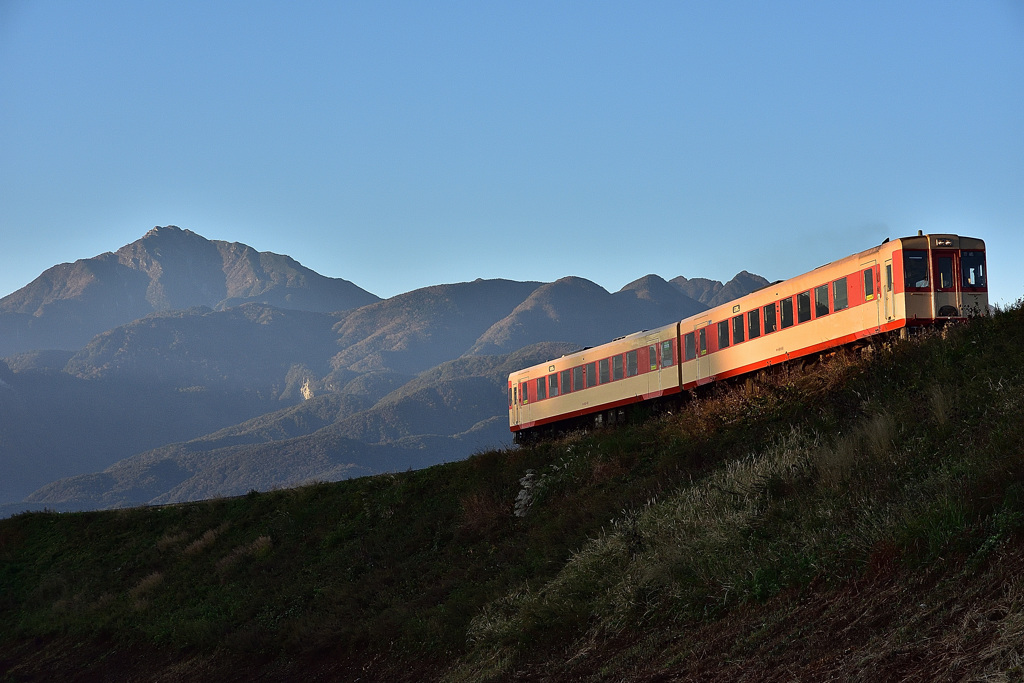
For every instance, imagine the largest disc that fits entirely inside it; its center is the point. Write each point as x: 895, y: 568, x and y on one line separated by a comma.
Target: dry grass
x: 482, y: 512
x: 170, y: 539
x: 205, y: 541
x: 258, y: 548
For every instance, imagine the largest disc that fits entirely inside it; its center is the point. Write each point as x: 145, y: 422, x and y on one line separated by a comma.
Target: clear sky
x: 403, y: 144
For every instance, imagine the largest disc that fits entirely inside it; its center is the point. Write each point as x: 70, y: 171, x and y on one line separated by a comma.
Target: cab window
x: 944, y: 272
x: 915, y: 269
x: 972, y: 269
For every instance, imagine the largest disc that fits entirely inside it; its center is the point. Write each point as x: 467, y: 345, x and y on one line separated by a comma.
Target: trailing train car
x: 897, y: 286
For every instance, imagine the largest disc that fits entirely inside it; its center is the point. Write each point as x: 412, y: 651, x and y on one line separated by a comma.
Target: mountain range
x: 181, y: 368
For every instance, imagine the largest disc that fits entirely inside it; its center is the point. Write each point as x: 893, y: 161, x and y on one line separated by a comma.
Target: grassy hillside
x: 858, y: 520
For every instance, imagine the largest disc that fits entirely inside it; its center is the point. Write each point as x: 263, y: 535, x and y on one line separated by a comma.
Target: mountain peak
x: 167, y: 268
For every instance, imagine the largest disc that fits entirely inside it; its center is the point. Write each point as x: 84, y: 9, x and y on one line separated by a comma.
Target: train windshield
x: 972, y: 268
x: 915, y: 269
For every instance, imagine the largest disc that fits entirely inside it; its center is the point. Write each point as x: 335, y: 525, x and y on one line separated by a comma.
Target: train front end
x: 942, y: 277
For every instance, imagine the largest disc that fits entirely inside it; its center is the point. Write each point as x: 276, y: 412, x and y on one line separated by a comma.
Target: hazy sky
x: 404, y: 144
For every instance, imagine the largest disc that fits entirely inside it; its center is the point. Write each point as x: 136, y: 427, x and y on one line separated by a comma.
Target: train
x: 897, y: 287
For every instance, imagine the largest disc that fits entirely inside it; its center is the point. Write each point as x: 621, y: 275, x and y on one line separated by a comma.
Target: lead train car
x: 899, y: 285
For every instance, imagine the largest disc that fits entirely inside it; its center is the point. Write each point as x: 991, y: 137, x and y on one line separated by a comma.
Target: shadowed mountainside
x: 444, y: 414
x: 167, y: 269
x: 412, y: 332
x: 213, y: 334
x: 576, y: 310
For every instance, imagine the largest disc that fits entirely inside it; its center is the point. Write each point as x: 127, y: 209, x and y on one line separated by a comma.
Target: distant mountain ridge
x: 167, y: 269
x: 289, y: 375
x: 712, y: 293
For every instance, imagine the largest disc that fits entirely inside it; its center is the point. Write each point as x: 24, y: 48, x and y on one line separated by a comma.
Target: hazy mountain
x: 53, y: 425
x: 289, y: 375
x: 415, y: 331
x: 576, y: 310
x: 253, y: 346
x: 167, y: 269
x: 445, y: 414
x: 713, y: 293
x: 698, y: 288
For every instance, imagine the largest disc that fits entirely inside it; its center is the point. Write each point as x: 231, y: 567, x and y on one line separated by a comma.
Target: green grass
x: 911, y: 463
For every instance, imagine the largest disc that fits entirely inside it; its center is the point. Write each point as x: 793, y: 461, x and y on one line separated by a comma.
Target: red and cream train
x: 901, y: 284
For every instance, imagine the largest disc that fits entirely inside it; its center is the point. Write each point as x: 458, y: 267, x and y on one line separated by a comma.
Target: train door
x: 522, y: 410
x: 887, y: 291
x: 872, y: 293
x: 945, y: 276
x: 703, y: 358
x: 513, y: 403
x: 654, y: 366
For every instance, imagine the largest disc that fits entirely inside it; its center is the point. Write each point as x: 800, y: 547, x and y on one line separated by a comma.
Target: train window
x: 591, y: 374
x: 617, y: 367
x: 564, y: 381
x: 737, y: 329
x: 632, y: 367
x: 689, y: 346
x: 769, y: 318
x: 820, y: 301
x: 972, y: 268
x: 723, y: 334
x: 666, y: 354
x: 869, y: 284
x: 915, y: 269
x: 839, y: 298
x: 652, y: 357
x: 944, y: 272
x: 703, y: 337
x: 786, y: 313
x: 542, y: 389
x: 523, y: 393
x: 511, y: 396
x: 753, y: 324
x: 803, y: 307
x: 577, y: 378
x: 603, y: 367
x: 553, y: 385
x: 888, y: 277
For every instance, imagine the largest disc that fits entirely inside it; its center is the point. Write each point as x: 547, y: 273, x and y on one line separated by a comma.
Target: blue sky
x: 404, y: 144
